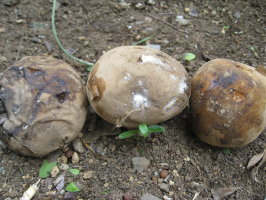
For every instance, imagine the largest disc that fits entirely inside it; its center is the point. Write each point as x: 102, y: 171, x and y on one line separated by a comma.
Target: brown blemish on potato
x: 96, y: 85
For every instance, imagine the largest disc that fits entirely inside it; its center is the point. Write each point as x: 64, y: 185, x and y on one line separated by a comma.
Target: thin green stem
x: 141, y: 41
x: 60, y: 44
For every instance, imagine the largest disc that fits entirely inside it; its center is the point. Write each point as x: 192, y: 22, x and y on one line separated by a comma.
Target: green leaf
x: 189, y: 56
x: 156, y: 129
x: 226, y: 151
x: 72, y: 187
x: 226, y: 27
x: 143, y: 130
x: 74, y: 171
x: 128, y: 134
x: 46, y: 168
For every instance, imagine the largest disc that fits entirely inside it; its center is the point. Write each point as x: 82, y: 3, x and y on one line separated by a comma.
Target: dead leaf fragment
x: 255, y: 159
x: 219, y: 193
x: 255, y: 170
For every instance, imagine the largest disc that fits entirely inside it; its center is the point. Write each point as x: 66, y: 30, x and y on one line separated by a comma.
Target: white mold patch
x: 151, y: 59
x: 127, y: 76
x: 170, y: 104
x: 182, y: 86
x: 139, y: 101
x: 172, y: 76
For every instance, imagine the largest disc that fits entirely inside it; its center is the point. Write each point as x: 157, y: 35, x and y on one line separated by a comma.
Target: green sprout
x: 143, y: 131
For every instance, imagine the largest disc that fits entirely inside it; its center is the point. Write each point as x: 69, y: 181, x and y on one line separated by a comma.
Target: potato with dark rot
x: 228, y: 102
x: 131, y: 85
x: 44, y: 101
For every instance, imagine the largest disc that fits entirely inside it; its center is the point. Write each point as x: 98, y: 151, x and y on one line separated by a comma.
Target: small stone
x: 64, y: 166
x: 88, y: 174
x: 139, y: 5
x: 151, y: 2
x: 106, y: 185
x: 75, y: 158
x: 193, y: 12
x: 175, y: 173
x: 165, y: 41
x: 140, y: 163
x: 171, y: 193
x: 78, y: 146
x: 149, y: 197
x: 20, y: 21
x: 128, y: 196
x: 163, y: 174
x: 171, y: 183
x: 69, y: 153
x: 81, y: 38
x: 2, y: 29
x: 160, y: 180
x: 166, y: 198
x: 154, y: 179
x: 63, y: 159
x: 131, y: 178
x: 237, y: 14
x: 164, y: 187
x: 91, y: 161
x: 187, y: 9
x: 181, y: 20
x: 55, y: 171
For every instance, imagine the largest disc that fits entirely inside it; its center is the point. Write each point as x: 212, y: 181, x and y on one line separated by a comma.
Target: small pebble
x: 64, y: 166
x: 171, y: 183
x: 75, y: 158
x: 164, y: 187
x: 163, y: 174
x: 78, y: 146
x: 154, y: 179
x: 69, y: 153
x: 88, y: 174
x: 55, y: 171
x: 128, y: 196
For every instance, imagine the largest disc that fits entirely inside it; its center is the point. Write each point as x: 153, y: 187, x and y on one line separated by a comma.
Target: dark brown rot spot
x: 61, y: 97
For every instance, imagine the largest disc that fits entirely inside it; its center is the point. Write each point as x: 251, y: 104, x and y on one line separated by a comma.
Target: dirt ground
x: 216, y: 29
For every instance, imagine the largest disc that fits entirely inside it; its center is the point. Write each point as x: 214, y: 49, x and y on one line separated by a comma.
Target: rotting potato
x: 228, y: 102
x: 130, y: 85
x: 44, y: 101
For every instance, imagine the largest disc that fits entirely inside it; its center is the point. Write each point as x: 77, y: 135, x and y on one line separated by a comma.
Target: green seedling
x: 189, y: 56
x: 143, y: 131
x: 72, y: 187
x: 226, y: 151
x: 46, y: 168
x: 74, y: 171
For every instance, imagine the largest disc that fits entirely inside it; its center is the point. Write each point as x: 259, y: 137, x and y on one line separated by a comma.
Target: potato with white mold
x: 228, y: 103
x: 130, y: 85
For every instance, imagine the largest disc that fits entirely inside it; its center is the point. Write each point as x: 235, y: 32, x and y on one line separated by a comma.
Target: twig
x: 19, y: 47
x: 159, y: 19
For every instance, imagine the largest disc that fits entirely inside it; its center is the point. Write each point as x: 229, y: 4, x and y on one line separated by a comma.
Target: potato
x: 44, y: 100
x: 228, y: 102
x: 131, y: 85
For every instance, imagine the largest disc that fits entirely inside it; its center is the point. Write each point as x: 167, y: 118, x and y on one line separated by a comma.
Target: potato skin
x: 132, y: 84
x: 44, y: 99
x: 228, y: 103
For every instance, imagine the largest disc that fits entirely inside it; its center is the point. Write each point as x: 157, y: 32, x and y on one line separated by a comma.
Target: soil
x: 221, y: 29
